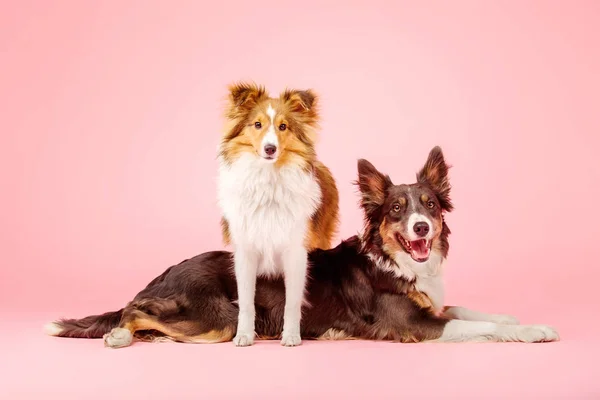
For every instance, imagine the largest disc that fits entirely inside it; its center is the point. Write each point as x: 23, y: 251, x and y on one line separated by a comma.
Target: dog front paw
x: 291, y: 339
x: 243, y: 339
x: 537, y: 334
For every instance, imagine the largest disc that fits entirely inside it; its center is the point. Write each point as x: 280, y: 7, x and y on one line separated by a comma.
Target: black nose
x: 421, y: 228
x: 270, y: 149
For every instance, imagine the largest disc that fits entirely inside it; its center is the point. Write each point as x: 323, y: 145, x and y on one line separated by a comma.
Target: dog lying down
x: 384, y: 284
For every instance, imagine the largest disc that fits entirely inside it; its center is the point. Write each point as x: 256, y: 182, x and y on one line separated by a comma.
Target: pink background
x: 110, y: 114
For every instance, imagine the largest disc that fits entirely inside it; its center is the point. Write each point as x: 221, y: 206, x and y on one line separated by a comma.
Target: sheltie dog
x: 277, y: 200
x: 380, y: 285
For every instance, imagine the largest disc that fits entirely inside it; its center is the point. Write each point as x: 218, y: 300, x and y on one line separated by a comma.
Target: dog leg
x: 122, y: 335
x: 139, y: 315
x: 246, y: 265
x: 400, y: 318
x: 479, y: 331
x: 470, y: 315
x: 294, y: 267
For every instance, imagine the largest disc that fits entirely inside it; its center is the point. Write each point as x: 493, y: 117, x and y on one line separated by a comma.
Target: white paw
x: 503, y: 319
x: 538, y: 333
x: 118, y: 337
x: 291, y: 340
x: 243, y: 339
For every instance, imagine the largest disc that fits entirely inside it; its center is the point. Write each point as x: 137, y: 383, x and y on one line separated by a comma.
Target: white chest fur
x: 428, y: 275
x: 267, y: 208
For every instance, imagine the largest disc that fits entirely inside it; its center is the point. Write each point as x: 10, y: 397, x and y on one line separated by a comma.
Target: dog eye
x: 396, y: 207
x: 257, y: 125
x: 430, y: 204
x: 282, y: 127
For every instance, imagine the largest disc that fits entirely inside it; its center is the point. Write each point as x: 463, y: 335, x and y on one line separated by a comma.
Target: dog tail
x: 94, y: 326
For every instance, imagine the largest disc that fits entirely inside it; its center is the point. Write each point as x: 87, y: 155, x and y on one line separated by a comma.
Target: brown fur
x: 421, y: 299
x: 349, y: 297
x: 334, y: 334
x: 324, y: 223
x: 348, y: 294
x: 298, y: 111
x: 351, y: 294
x: 225, y: 231
x: 429, y: 196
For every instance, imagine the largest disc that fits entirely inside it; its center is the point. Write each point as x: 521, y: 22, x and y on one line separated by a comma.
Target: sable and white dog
x: 278, y: 201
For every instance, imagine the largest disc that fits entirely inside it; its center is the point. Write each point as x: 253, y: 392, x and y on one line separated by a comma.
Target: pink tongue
x: 419, y: 248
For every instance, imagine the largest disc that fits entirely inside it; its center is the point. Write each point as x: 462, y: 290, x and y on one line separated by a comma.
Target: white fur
x: 428, y: 275
x: 294, y: 267
x: 479, y: 331
x: 428, y: 278
x: 270, y: 137
x: 52, y: 329
x: 268, y: 209
x: 271, y: 113
x: 118, y: 337
x: 412, y: 220
x: 471, y: 315
x: 246, y: 267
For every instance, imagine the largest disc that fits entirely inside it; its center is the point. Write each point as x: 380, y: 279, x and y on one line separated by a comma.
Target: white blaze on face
x: 412, y: 221
x: 270, y: 137
x: 420, y: 246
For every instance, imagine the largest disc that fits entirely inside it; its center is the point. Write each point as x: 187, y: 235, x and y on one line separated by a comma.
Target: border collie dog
x: 278, y: 201
x: 381, y: 285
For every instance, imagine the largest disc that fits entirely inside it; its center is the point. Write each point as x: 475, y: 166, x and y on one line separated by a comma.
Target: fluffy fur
x: 277, y: 200
x: 368, y: 287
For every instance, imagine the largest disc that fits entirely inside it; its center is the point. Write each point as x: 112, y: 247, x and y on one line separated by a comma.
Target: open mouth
x: 419, y: 250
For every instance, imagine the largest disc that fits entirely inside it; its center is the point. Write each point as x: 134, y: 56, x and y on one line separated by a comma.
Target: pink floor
x: 36, y: 366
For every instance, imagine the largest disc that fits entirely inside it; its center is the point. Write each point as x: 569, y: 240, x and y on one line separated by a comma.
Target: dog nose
x: 421, y: 228
x: 270, y: 149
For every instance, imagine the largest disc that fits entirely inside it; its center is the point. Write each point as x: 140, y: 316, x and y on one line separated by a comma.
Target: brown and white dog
x: 372, y: 286
x: 278, y: 201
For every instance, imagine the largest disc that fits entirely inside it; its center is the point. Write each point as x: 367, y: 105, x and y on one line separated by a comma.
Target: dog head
x: 273, y: 130
x: 403, y: 220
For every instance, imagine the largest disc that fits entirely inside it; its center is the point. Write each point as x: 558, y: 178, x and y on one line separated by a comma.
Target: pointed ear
x: 243, y: 97
x: 302, y: 102
x: 435, y: 174
x: 373, y: 186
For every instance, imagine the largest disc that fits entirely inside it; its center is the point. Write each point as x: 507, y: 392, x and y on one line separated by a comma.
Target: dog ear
x: 243, y: 97
x: 303, y: 103
x: 373, y: 186
x: 435, y: 174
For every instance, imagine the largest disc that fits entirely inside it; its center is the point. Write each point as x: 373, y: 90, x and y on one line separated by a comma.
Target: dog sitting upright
x: 364, y: 288
x: 278, y: 201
